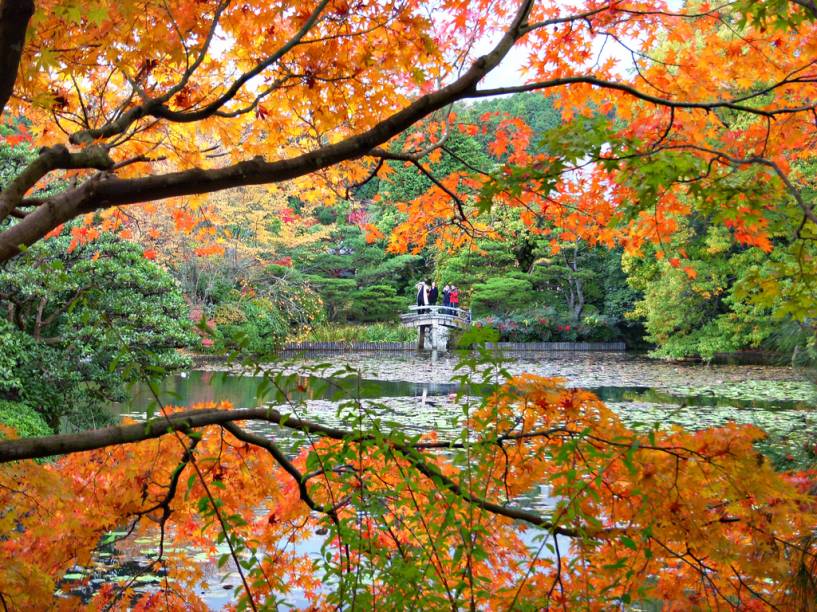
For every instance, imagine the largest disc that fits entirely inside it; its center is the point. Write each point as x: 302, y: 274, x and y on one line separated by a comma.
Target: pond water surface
x: 416, y: 393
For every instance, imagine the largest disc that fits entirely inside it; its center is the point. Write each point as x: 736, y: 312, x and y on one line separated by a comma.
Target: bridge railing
x: 438, y: 311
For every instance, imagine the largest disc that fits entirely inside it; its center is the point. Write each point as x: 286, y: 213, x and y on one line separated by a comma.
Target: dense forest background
x: 531, y: 284
x: 277, y: 266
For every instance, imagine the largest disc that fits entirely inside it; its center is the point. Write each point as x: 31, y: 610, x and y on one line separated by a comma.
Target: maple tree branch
x: 216, y: 104
x: 59, y: 444
x: 436, y: 476
x: 202, y: 52
x: 102, y: 192
x: 637, y: 93
x: 457, y: 200
x: 530, y: 27
x: 186, y: 422
x: 415, y: 156
x: 172, y: 487
x: 51, y: 158
x: 466, y: 163
x: 808, y: 211
x: 754, y: 592
x: 368, y: 178
x: 274, y: 86
x: 715, y: 10
x: 137, y: 159
x: 14, y: 18
x: 32, y: 448
x: 217, y: 512
x: 286, y: 464
x: 156, y: 106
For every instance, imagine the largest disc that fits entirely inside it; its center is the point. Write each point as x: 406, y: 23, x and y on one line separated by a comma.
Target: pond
x: 416, y: 393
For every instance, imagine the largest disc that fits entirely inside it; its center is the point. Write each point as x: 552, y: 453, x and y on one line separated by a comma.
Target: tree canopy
x: 685, y: 132
x: 138, y: 103
x: 82, y: 322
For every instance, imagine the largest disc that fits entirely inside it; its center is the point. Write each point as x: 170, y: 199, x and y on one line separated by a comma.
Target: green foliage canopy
x: 82, y: 323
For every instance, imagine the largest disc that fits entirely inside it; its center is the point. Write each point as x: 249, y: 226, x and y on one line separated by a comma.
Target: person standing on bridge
x: 433, y: 293
x: 422, y: 296
x: 446, y: 299
x: 455, y: 299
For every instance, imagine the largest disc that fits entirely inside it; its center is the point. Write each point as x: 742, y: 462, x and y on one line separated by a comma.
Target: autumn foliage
x: 671, y: 111
x: 665, y: 108
x: 688, y: 519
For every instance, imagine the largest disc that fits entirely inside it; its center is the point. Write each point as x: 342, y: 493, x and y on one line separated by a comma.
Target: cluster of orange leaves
x: 364, y: 61
x: 55, y: 515
x: 359, y: 63
x: 703, y: 59
x: 692, y: 519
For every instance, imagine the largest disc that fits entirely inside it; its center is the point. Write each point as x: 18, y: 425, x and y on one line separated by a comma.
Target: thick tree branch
x: 59, y: 444
x: 52, y: 158
x: 99, y: 194
x: 33, y: 448
x: 14, y: 17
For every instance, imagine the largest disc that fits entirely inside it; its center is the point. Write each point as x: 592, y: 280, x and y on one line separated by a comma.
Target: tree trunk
x: 575, y: 286
x: 14, y: 17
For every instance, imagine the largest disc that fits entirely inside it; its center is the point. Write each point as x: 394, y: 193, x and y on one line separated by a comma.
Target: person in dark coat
x: 433, y: 293
x: 446, y: 299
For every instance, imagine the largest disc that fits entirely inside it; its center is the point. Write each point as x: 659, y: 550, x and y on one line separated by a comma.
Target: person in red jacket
x: 454, y: 296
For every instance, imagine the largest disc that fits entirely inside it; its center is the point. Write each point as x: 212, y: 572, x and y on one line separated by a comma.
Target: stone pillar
x: 421, y: 337
x: 439, y: 337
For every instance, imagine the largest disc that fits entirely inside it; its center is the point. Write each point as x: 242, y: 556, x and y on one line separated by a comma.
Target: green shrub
x: 598, y: 328
x: 25, y: 421
x: 229, y: 313
x: 502, y: 295
x: 253, y: 324
x: 377, y: 303
x: 375, y: 332
x: 86, y: 321
x: 549, y: 325
x: 263, y: 311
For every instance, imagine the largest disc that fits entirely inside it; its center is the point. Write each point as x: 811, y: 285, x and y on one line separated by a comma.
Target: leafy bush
x: 336, y: 295
x: 377, y: 303
x: 502, y: 295
x: 254, y: 324
x: 85, y: 320
x: 357, y: 280
x: 273, y: 308
x: 24, y: 420
x: 598, y: 328
x: 375, y: 332
x: 549, y: 325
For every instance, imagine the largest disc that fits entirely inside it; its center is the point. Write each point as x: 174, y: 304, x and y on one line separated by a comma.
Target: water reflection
x: 416, y: 394
x: 201, y: 386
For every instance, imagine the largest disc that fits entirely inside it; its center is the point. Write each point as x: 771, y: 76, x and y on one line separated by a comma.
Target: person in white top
x: 422, y: 295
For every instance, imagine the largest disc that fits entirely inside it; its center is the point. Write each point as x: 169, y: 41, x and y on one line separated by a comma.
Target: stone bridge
x: 437, y: 320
